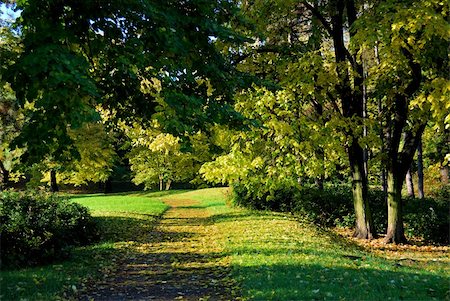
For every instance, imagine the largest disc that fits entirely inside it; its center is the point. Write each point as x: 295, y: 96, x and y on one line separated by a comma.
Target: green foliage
x: 428, y: 219
x: 38, y: 227
x: 333, y: 206
x: 78, y: 56
x: 161, y: 158
x: 97, y: 155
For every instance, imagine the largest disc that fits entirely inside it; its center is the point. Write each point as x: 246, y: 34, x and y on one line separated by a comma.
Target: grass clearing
x: 122, y: 219
x: 276, y: 257
x: 273, y: 256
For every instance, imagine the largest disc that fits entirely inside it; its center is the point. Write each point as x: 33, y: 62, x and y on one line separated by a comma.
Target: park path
x: 180, y: 259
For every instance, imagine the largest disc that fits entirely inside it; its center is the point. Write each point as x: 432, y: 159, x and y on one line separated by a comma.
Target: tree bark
x: 161, y: 184
x: 168, y: 183
x: 53, y: 183
x: 444, y: 174
x: 420, y: 187
x: 364, y: 227
x: 410, y: 183
x: 395, y: 232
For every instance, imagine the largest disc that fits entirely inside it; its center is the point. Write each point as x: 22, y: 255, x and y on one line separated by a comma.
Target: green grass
x: 276, y: 257
x: 122, y: 203
x: 273, y: 256
x: 121, y: 219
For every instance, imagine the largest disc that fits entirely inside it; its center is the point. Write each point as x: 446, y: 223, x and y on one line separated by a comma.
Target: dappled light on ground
x: 180, y: 256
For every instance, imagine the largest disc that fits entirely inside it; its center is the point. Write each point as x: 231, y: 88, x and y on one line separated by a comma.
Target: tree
x: 411, y: 82
x: 279, y: 146
x: 11, y: 117
x: 78, y: 55
x: 156, y: 158
x: 308, y: 27
x: 97, y: 156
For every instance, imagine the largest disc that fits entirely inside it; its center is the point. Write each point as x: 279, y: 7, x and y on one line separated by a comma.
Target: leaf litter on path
x: 181, y: 258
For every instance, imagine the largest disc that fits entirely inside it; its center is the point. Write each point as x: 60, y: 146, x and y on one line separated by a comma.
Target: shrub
x: 333, y: 206
x: 255, y: 195
x: 37, y: 227
x: 427, y: 218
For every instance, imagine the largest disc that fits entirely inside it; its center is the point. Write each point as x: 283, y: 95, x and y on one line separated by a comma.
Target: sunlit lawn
x: 273, y: 256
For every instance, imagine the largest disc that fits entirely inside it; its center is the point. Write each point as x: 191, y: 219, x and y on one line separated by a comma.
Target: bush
x: 333, y: 206
x: 258, y: 196
x: 428, y: 219
x: 37, y: 227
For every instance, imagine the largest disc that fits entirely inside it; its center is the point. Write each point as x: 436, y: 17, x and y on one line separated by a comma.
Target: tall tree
x: 11, y: 117
x: 80, y: 54
x: 411, y: 82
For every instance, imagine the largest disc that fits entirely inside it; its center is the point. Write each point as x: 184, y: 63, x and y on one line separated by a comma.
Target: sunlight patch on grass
x: 277, y: 257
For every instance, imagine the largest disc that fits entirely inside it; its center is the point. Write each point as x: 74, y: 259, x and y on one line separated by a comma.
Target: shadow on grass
x: 316, y: 282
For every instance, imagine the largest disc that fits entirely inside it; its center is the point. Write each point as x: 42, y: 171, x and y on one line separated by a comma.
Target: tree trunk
x: 108, y: 186
x: 444, y: 174
x: 168, y: 183
x: 53, y: 183
x: 420, y: 187
x: 161, y: 184
x: 5, y: 176
x: 410, y: 183
x: 395, y: 232
x: 384, y: 182
x: 364, y: 227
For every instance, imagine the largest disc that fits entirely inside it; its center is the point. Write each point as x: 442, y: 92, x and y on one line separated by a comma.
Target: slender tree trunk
x: 108, y: 186
x: 381, y: 133
x: 53, y: 182
x: 364, y: 225
x: 5, y: 176
x: 395, y: 232
x: 444, y: 174
x: 410, y: 183
x: 168, y: 183
x: 420, y: 187
x: 318, y: 181
x: 351, y: 94
x: 161, y: 184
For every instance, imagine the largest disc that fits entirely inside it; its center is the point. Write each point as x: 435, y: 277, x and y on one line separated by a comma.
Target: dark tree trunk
x: 420, y: 191
x: 410, y: 183
x: 350, y: 92
x: 395, y: 232
x: 364, y: 227
x: 398, y: 162
x: 53, y: 183
x: 108, y: 186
